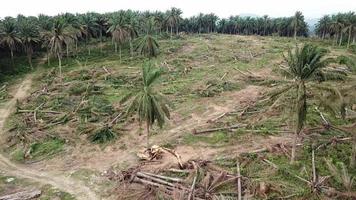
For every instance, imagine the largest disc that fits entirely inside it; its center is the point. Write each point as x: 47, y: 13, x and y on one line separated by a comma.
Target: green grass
x: 16, y: 184
x: 46, y: 148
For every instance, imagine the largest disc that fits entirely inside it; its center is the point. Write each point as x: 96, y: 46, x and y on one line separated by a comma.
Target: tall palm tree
x: 45, y: 24
x: 102, y: 23
x: 56, y: 39
x: 296, y: 22
x: 29, y: 36
x: 173, y: 19
x: 9, y: 36
x: 89, y: 28
x: 132, y: 30
x: 119, y: 31
x: 265, y: 23
x: 147, y: 44
x: 149, y: 105
x: 306, y: 65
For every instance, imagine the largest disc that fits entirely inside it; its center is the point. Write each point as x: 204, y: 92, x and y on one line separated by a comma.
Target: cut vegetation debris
x: 220, y: 109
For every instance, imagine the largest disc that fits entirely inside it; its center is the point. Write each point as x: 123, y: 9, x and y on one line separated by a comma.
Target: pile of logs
x: 198, y: 179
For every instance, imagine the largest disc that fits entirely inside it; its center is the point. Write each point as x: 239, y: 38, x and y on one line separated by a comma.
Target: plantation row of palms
x: 60, y: 35
x: 340, y: 28
x: 285, y: 26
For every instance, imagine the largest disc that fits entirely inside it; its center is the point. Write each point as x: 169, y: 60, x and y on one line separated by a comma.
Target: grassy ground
x: 202, y: 77
x: 10, y: 184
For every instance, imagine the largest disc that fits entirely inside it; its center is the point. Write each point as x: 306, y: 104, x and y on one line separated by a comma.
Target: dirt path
x: 76, y: 188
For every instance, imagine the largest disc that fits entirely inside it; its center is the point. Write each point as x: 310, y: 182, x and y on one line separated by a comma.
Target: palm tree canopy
x: 149, y: 104
x: 9, y: 35
x: 308, y: 63
x: 147, y: 45
x: 119, y: 28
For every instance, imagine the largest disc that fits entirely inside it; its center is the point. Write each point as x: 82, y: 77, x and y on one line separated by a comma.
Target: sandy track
x: 74, y: 187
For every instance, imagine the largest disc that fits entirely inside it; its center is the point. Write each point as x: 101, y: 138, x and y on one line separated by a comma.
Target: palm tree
x: 132, y: 30
x: 89, y: 28
x: 119, y: 31
x: 56, y: 39
x: 265, y: 23
x: 147, y: 45
x: 102, y: 23
x: 296, y: 22
x: 173, y: 19
x: 9, y: 36
x: 149, y: 105
x: 29, y: 36
x: 45, y: 24
x: 306, y: 65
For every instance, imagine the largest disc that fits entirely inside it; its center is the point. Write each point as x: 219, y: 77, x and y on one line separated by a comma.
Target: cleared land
x: 212, y: 81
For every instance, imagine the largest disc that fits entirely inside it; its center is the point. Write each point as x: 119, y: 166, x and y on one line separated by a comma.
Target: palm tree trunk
x: 171, y: 32
x: 295, y: 32
x: 86, y: 44
x: 323, y: 36
x: 120, y: 52
x: 12, y: 57
x: 67, y: 50
x: 131, y: 47
x: 101, y: 41
x: 148, y: 134
x: 301, y: 114
x: 349, y: 39
x: 76, y: 47
x: 29, y: 56
x: 340, y: 41
x: 335, y: 39
x: 115, y: 44
x: 59, y: 65
x: 47, y: 52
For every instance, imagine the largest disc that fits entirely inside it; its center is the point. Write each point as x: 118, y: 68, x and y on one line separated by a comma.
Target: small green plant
x: 102, y: 135
x: 46, y: 148
x: 341, y: 174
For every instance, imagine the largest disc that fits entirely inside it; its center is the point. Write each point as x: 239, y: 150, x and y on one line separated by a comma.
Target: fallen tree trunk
x: 24, y: 195
x: 196, y: 132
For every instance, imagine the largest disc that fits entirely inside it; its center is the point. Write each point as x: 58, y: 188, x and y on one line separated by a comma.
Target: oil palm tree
x: 119, y: 31
x: 45, y: 24
x: 56, y: 39
x: 102, y: 23
x: 307, y: 68
x: 296, y: 22
x: 147, y: 44
x: 149, y: 105
x: 132, y: 30
x: 9, y: 36
x: 29, y: 37
x: 89, y: 28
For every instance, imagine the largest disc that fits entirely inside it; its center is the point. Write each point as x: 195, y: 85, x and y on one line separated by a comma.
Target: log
x: 238, y: 181
x: 164, y: 177
x: 156, y: 180
x: 23, y: 195
x: 40, y: 111
x: 195, y: 132
x: 191, y: 193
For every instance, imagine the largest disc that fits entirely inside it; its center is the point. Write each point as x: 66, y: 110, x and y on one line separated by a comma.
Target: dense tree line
x: 341, y: 28
x: 59, y: 36
x: 286, y: 26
